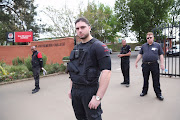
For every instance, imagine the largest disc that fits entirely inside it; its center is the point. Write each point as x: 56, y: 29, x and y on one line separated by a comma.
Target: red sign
x: 24, y: 36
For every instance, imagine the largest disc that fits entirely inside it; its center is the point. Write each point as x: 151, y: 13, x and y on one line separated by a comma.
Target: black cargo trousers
x: 36, y: 72
x: 81, y: 96
x: 154, y: 69
x: 125, y: 69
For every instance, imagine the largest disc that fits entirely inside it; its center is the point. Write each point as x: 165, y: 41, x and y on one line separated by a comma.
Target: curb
x: 27, y: 79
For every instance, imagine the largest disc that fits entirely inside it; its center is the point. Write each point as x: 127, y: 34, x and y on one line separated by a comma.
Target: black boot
x: 35, y: 90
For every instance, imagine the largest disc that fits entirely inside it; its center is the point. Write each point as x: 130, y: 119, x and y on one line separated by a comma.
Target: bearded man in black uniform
x: 90, y: 71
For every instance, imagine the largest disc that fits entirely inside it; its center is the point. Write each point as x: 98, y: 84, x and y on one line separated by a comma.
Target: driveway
x: 119, y: 102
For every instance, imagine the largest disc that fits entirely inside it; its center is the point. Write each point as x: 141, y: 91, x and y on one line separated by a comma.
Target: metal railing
x: 168, y: 35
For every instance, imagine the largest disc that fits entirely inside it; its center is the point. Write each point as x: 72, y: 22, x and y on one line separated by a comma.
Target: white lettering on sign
x: 24, y: 36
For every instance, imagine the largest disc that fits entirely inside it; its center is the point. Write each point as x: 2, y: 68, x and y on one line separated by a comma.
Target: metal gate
x: 168, y: 35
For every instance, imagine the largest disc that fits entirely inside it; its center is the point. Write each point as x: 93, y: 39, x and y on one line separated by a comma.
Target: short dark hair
x: 83, y: 19
x: 150, y: 33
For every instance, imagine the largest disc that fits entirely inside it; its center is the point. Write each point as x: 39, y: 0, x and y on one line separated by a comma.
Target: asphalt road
x: 119, y: 102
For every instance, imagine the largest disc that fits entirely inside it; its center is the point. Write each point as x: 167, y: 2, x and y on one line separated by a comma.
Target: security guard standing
x: 150, y: 53
x: 37, y: 65
x: 90, y: 71
x: 125, y: 55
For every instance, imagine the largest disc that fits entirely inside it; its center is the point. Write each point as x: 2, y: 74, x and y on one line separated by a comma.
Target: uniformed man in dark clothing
x: 90, y: 71
x: 124, y: 55
x: 150, y: 53
x: 37, y: 65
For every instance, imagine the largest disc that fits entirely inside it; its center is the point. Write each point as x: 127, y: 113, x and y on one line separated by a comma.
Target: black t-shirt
x: 150, y: 53
x: 99, y: 53
x: 124, y: 50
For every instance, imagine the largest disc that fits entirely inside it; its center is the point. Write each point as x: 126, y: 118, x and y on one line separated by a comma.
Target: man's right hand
x: 136, y: 65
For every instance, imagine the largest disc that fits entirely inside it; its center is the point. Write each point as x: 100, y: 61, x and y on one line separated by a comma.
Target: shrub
x: 66, y: 58
x: 4, y: 72
x: 18, y: 61
x: 28, y: 63
x: 44, y: 57
x: 62, y: 67
x: 15, y: 72
x: 29, y: 74
x: 18, y: 72
x: 2, y: 63
x: 54, y: 68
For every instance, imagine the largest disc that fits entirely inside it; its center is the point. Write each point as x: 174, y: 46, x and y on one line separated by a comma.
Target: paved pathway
x: 119, y: 102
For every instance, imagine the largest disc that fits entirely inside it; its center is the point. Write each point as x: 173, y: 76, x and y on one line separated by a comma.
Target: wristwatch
x: 98, y: 98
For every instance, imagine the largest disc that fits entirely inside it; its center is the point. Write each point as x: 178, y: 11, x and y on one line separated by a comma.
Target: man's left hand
x: 93, y: 104
x: 120, y: 55
x: 162, y: 67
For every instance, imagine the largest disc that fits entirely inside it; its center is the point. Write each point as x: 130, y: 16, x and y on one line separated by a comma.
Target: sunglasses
x: 148, y: 38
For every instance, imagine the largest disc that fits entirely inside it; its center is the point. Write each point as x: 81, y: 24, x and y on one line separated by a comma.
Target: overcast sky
x: 71, y: 4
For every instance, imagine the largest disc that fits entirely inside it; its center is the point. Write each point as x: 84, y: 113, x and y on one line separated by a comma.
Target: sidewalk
x: 119, y: 102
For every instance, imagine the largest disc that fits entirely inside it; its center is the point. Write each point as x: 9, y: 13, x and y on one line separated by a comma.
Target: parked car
x: 174, y: 51
x: 110, y: 50
x: 137, y: 48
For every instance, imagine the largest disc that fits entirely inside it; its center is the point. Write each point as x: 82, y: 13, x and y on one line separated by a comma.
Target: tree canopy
x: 17, y: 15
x: 62, y: 21
x: 103, y: 21
x: 142, y: 16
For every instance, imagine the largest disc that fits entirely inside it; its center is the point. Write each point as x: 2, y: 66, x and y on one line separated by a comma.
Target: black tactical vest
x: 81, y: 67
x: 35, y: 60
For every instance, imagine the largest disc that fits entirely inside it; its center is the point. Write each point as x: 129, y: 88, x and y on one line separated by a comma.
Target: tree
x: 62, y: 21
x: 175, y: 11
x: 124, y: 17
x: 102, y: 20
x: 144, y: 15
x: 17, y: 15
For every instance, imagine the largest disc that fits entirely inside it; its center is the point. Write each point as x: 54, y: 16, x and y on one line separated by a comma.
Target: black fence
x: 168, y: 35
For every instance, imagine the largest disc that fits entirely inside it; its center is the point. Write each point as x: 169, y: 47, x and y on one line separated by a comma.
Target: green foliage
x: 54, y: 68
x: 18, y: 69
x: 66, y: 58
x: 18, y: 61
x: 16, y: 72
x: 28, y: 63
x: 102, y: 20
x: 17, y: 15
x: 9, y: 73
x: 4, y: 72
x: 123, y: 15
x: 175, y: 11
x: 2, y: 63
x: 141, y: 16
x: 44, y: 57
x: 62, y: 67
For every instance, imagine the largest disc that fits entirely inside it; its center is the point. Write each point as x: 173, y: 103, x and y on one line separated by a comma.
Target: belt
x: 83, y: 86
x: 149, y: 62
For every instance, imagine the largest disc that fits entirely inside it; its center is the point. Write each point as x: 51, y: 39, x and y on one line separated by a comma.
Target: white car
x: 110, y: 50
x: 174, y: 51
x: 137, y: 48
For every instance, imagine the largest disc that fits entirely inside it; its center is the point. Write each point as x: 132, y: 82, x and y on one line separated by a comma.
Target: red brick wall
x: 55, y: 50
